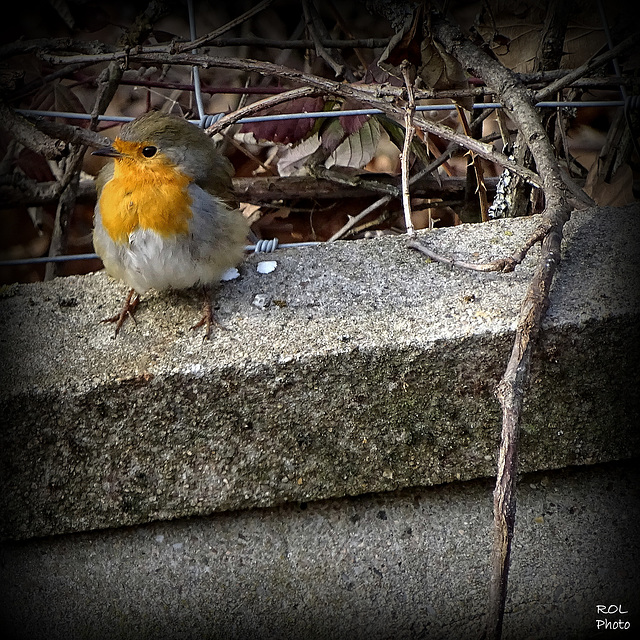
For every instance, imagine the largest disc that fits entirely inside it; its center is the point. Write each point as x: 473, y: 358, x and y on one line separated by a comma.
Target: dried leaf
x: 439, y: 69
x: 617, y: 193
x: 251, y: 212
x: 286, y: 131
x: 396, y: 135
x: 62, y: 99
x: 405, y: 44
x: 332, y: 135
x: 351, y: 124
x: 355, y: 150
x: 337, y: 130
x: 375, y: 74
x: 67, y: 100
x: 34, y: 166
x: 359, y: 148
x: 514, y: 30
x: 292, y: 160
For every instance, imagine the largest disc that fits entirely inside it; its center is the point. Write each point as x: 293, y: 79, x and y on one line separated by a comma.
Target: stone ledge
x: 369, y: 369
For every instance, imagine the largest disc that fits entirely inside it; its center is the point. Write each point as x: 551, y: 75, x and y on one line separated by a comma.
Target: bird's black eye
x: 149, y: 152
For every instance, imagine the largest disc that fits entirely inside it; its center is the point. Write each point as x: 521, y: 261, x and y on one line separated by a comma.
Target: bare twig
x: 371, y: 224
x: 107, y: 86
x: 504, y: 264
x: 517, y: 195
x: 255, y: 107
x: 212, y: 35
x: 20, y: 47
x: 17, y: 190
x: 71, y: 134
x: 518, y: 102
x: 27, y: 134
x: 272, y: 43
x: 348, y: 91
x: 477, y: 167
x: 143, y: 24
x: 406, y: 147
x: 352, y: 222
x: 355, y: 180
x: 415, y: 179
x: 587, y: 67
x: 66, y: 205
x: 317, y: 32
x: 386, y: 199
x: 205, y: 88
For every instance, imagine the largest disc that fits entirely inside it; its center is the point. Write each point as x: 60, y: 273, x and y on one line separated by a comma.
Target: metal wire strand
x: 195, y: 69
x: 261, y: 246
x: 323, y: 114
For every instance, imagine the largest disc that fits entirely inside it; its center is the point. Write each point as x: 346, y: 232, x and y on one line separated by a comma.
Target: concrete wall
x: 353, y: 369
x: 398, y: 565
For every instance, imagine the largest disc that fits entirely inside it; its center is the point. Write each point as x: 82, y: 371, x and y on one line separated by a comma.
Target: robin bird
x: 166, y: 216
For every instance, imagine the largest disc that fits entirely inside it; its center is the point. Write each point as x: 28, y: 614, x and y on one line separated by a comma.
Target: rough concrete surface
x: 411, y: 564
x: 365, y: 368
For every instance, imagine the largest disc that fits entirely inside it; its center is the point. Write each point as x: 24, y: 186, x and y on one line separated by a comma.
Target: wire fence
x: 206, y: 120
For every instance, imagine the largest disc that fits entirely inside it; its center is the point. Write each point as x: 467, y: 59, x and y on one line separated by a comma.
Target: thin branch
x: 317, y: 32
x: 341, y: 233
x: 205, y: 88
x: 65, y: 208
x: 38, y: 83
x: 409, y: 132
x: 587, y: 67
x: 70, y: 133
x: 347, y: 91
x: 270, y: 43
x: 20, y: 47
x: 108, y: 83
x: 415, y: 179
x: 371, y: 224
x: 171, y: 54
x: 206, y: 39
x: 517, y: 195
x: 503, y: 264
x: 255, y: 107
x: 17, y: 190
x: 142, y: 26
x: 519, y: 104
x: 355, y: 180
x: 28, y: 135
x: 477, y: 167
x: 353, y: 221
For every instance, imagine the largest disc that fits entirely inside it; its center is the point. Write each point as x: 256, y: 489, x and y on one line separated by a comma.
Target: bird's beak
x: 109, y: 152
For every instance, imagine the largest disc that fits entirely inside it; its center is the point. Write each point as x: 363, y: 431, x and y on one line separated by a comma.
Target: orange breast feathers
x: 147, y: 195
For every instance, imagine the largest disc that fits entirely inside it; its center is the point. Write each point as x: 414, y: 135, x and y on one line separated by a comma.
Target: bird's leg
x: 128, y: 309
x: 207, y: 314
